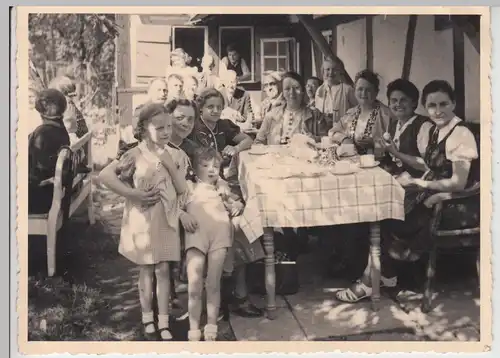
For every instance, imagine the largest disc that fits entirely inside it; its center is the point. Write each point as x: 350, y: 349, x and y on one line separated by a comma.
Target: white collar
x: 443, y: 132
x: 400, y: 128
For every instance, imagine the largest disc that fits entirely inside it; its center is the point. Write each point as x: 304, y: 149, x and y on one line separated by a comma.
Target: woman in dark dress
x: 405, y: 131
x: 44, y: 144
x: 450, y: 153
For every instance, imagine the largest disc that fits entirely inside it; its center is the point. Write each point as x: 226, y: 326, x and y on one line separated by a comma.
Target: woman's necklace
x: 212, y: 133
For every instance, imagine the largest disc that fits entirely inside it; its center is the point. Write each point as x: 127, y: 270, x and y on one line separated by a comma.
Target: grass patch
x: 58, y: 311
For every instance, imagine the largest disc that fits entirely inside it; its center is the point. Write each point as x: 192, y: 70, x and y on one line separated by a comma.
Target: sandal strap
x: 368, y: 290
x: 348, y: 295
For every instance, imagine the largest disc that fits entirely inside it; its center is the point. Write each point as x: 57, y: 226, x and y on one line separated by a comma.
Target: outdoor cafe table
x: 368, y: 195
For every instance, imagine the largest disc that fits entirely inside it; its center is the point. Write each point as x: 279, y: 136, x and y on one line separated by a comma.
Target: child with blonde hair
x: 213, y: 205
x: 155, y: 188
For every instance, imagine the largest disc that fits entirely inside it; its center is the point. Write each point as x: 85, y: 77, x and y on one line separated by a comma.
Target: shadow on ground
x: 87, y: 257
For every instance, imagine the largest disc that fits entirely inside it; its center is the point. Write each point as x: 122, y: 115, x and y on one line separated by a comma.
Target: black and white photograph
x: 256, y: 177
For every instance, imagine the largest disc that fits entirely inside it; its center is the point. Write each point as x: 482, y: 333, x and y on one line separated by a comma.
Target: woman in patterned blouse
x: 364, y: 124
x: 294, y: 117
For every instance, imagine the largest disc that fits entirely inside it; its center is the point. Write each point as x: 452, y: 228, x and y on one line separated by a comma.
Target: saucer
x: 257, y: 151
x: 375, y: 164
x: 353, y: 168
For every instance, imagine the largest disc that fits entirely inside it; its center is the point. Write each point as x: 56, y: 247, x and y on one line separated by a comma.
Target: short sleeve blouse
x: 460, y: 145
x: 126, y: 166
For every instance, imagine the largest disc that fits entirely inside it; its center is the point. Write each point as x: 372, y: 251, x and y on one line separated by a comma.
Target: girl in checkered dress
x: 150, y: 233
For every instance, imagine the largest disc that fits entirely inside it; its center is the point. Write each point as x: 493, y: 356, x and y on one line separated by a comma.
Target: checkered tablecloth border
x: 264, y: 209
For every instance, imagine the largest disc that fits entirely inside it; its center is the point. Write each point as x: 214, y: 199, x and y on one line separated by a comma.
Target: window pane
x: 270, y: 48
x: 283, y: 63
x: 283, y: 48
x: 270, y: 64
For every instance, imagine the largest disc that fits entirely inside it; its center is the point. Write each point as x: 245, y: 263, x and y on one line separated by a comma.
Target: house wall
x: 432, y: 55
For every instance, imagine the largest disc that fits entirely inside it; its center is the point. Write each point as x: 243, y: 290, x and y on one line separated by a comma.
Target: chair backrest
x: 83, y: 146
x: 63, y: 181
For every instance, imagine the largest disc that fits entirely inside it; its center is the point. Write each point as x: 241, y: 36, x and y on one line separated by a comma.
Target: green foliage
x: 79, y: 45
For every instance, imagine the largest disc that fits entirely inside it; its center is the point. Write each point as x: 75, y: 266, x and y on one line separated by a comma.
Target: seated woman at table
x: 294, y: 117
x: 210, y: 130
x: 271, y: 86
x: 451, y: 154
x: 405, y: 132
x: 365, y: 123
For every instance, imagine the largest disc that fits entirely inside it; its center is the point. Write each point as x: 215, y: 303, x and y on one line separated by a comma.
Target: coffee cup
x: 326, y: 142
x: 343, y: 166
x: 367, y: 160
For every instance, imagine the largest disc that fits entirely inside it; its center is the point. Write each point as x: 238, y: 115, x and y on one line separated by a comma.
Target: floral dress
x: 150, y: 235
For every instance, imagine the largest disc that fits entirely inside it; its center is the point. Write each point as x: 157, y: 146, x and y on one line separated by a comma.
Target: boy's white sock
x: 162, y: 321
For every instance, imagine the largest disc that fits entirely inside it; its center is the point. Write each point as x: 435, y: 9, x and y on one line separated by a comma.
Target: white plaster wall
x: 432, y: 55
x: 388, y: 49
x: 351, y: 47
x: 472, y: 82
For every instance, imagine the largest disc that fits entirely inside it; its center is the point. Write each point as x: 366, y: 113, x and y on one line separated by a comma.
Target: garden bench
x: 72, y: 186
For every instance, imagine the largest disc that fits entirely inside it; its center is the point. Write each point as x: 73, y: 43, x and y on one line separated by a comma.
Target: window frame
x: 252, y: 48
x: 290, y: 56
x: 205, y: 40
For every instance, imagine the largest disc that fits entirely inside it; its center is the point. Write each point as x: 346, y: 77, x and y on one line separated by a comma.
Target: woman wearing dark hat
x: 44, y: 144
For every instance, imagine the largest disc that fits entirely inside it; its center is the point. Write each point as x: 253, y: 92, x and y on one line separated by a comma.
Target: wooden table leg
x: 270, y: 273
x: 375, y: 264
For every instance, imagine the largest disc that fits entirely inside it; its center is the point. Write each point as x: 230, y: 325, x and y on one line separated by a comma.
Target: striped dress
x: 150, y: 235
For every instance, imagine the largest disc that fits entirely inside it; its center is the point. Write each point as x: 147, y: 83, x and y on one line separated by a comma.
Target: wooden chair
x: 460, y: 231
x: 82, y: 180
x: 72, y: 186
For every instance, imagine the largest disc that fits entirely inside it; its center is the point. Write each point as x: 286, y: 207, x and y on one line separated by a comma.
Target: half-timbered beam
x: 369, y: 41
x: 458, y: 69
x: 469, y: 28
x: 410, y: 41
x: 319, y: 40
